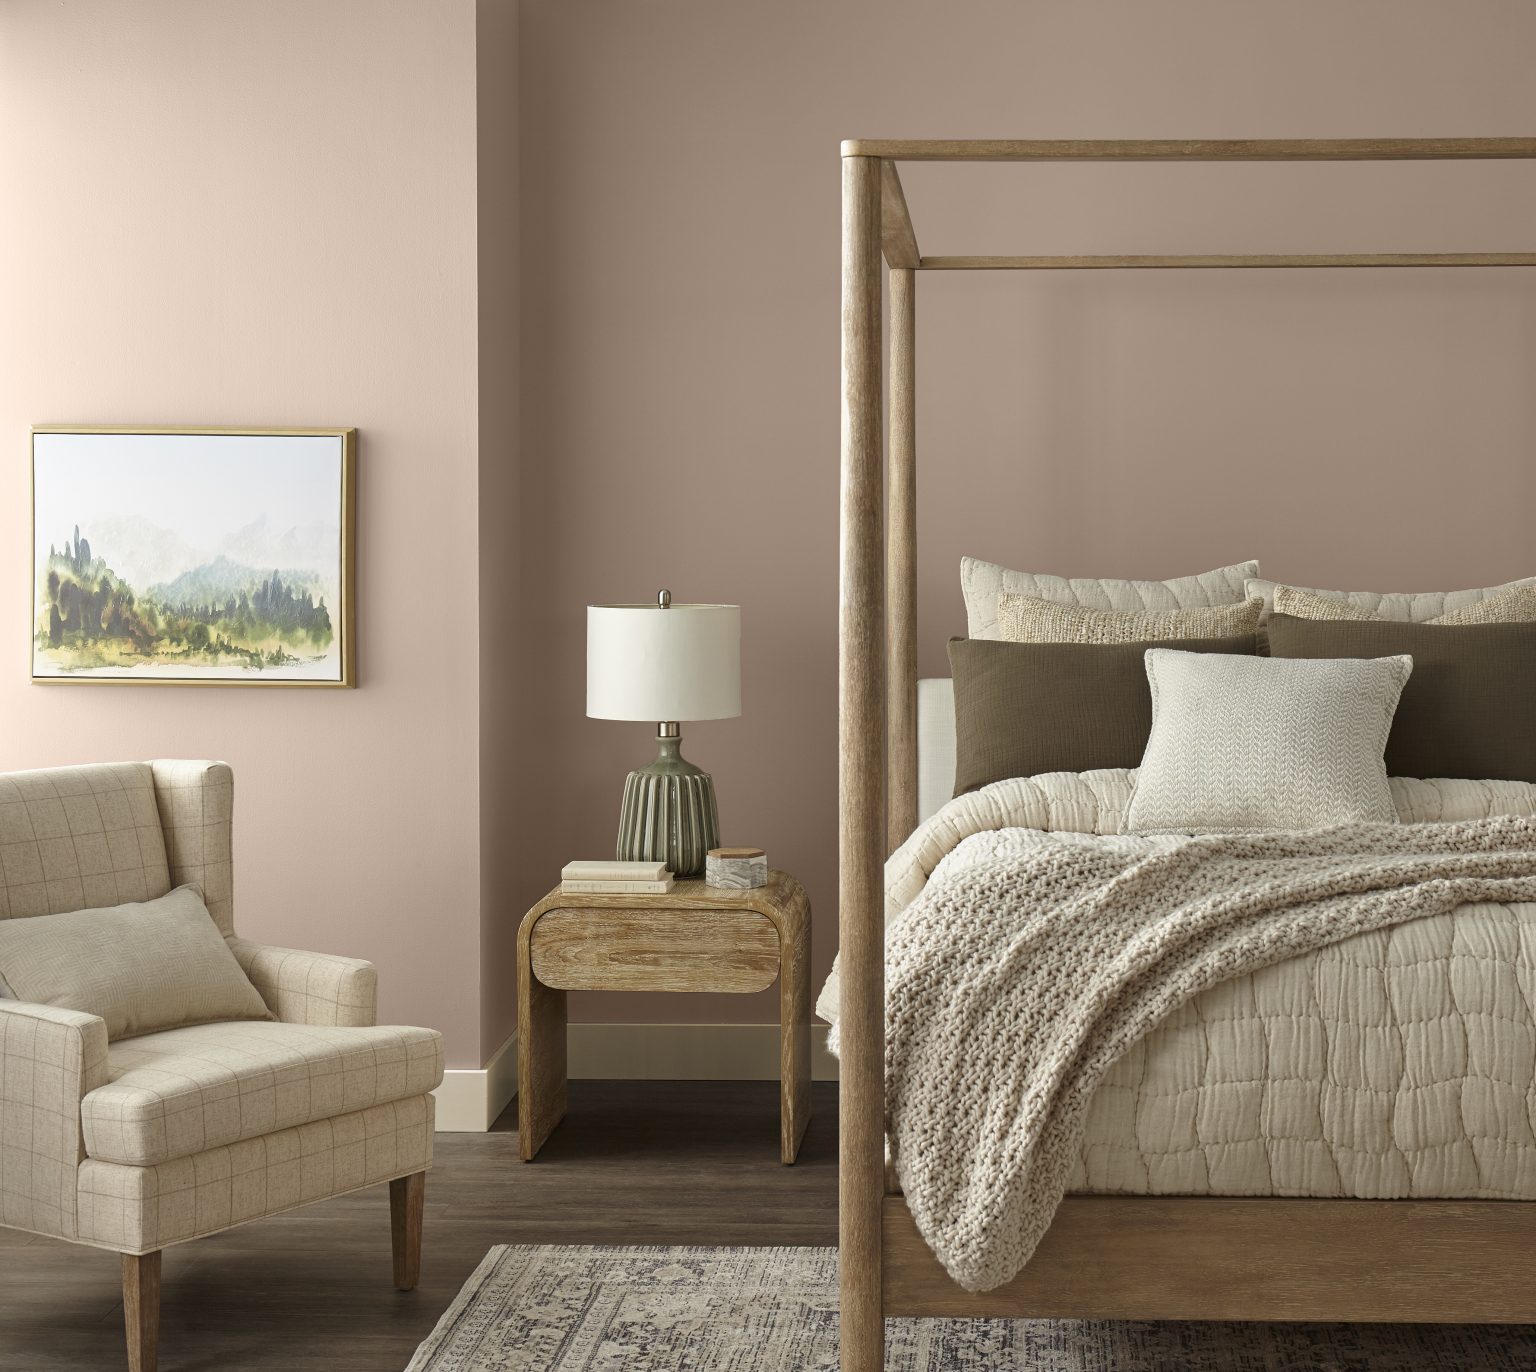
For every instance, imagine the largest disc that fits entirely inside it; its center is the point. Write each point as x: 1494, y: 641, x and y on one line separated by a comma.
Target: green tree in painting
x: 220, y: 613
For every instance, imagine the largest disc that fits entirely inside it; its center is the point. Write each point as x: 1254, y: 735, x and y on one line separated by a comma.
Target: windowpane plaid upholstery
x: 74, y: 838
x: 196, y: 801
x: 49, y: 1059
x: 310, y: 988
x: 187, y: 1090
x: 140, y: 1209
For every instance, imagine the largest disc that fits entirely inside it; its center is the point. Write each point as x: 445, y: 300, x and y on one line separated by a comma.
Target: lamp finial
x: 664, y: 599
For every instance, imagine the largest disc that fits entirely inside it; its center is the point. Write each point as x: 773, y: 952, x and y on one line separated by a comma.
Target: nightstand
x: 693, y: 938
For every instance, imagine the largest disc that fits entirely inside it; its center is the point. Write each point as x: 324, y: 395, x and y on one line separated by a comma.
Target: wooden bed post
x: 861, y: 788
x: 901, y: 563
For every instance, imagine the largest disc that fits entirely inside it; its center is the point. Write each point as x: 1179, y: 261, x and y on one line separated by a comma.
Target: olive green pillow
x: 1022, y: 709
x: 1468, y: 710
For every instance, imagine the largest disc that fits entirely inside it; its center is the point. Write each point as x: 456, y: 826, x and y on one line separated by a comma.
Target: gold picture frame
x: 271, y: 632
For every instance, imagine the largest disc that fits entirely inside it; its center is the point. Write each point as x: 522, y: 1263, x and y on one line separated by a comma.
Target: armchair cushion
x: 142, y: 967
x: 185, y: 1091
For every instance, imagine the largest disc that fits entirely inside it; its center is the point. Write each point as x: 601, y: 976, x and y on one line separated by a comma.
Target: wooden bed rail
x: 1190, y: 149
x: 877, y: 683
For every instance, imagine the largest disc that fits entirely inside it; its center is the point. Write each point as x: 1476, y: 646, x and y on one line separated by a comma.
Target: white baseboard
x: 470, y: 1098
x: 687, y: 1052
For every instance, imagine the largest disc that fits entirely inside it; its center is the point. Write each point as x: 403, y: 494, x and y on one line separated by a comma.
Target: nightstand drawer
x: 654, y: 950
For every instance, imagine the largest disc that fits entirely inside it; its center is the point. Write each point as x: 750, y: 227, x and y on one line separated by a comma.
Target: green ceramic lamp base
x: 668, y: 814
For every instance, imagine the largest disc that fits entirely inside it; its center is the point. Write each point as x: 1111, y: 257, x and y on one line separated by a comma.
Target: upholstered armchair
x: 145, y: 1142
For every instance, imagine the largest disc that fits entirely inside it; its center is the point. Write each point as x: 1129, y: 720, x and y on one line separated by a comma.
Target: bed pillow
x: 1022, y: 709
x: 145, y: 966
x: 1247, y: 743
x: 982, y: 583
x: 1514, y: 606
x: 1470, y: 709
x: 1028, y: 619
x: 1415, y: 607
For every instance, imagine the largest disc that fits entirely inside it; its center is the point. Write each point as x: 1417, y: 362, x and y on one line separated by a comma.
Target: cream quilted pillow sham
x: 983, y: 582
x: 1417, y: 607
x: 1517, y: 605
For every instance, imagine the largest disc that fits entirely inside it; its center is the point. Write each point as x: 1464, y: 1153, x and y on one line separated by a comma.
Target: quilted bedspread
x: 1390, y: 1064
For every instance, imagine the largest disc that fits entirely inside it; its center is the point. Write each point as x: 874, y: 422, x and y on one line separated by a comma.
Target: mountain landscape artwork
x: 192, y: 557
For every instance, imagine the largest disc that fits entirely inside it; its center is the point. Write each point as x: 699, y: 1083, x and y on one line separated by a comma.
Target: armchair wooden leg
x: 406, y: 1195
x: 141, y: 1309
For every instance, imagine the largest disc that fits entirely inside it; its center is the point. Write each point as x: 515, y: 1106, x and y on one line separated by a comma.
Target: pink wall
x: 237, y: 213
x: 680, y: 230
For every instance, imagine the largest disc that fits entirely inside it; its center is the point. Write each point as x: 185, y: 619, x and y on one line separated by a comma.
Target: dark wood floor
x: 634, y: 1162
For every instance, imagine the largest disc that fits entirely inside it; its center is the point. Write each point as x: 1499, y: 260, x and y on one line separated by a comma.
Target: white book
x: 625, y: 888
x: 594, y: 869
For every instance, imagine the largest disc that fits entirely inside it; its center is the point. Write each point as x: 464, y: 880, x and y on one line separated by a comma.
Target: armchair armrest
x: 311, y: 988
x: 49, y: 1060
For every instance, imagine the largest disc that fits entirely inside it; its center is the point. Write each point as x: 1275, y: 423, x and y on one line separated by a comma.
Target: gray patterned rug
x: 553, y: 1309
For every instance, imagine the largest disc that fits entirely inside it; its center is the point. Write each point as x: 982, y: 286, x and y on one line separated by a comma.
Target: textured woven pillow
x: 1245, y: 743
x: 983, y: 582
x: 1028, y: 619
x: 1517, y: 605
x: 1415, y: 607
x: 155, y: 964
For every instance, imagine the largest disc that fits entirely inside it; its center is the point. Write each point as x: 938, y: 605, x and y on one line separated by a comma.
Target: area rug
x: 555, y: 1309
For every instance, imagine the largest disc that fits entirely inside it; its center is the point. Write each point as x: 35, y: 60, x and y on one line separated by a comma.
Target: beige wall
x: 504, y: 652
x: 240, y: 213
x: 288, y: 211
x: 680, y: 191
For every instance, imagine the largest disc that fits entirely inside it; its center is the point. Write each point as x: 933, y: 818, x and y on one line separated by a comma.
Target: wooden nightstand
x: 694, y: 938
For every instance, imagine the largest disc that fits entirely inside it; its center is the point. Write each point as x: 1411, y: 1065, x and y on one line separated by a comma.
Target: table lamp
x: 666, y: 663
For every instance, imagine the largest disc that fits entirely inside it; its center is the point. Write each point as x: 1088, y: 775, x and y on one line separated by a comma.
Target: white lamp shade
x: 679, y: 663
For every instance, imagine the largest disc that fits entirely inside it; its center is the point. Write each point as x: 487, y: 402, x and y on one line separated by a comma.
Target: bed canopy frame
x: 1113, y: 1257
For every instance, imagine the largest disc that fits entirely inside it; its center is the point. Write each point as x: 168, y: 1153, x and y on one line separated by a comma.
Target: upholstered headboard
x: 935, y: 744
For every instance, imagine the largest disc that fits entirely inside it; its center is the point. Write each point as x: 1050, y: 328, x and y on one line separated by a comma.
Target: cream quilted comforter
x: 1391, y: 1064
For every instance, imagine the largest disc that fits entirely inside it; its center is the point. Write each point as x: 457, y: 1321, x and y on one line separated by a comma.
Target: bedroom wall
x: 680, y: 249
x: 235, y: 213
x: 587, y: 325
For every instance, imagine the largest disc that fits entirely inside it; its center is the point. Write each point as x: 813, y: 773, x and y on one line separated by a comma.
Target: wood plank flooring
x: 634, y: 1162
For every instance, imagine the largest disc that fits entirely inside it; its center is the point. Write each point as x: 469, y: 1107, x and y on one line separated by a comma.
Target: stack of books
x: 616, y: 878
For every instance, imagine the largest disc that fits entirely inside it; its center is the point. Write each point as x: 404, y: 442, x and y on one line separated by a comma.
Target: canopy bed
x: 1179, y: 1257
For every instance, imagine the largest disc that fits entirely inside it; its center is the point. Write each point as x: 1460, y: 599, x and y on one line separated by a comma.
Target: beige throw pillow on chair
x: 1249, y: 743
x: 143, y: 966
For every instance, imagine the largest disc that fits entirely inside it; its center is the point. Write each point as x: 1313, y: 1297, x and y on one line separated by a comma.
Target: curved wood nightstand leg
x: 540, y: 1059
x: 794, y: 1045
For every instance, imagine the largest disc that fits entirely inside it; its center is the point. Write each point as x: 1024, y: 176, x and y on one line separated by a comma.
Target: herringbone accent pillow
x: 1246, y: 743
x: 1517, y: 605
x: 1029, y: 619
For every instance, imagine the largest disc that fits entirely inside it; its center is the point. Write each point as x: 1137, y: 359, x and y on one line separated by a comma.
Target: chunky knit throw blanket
x: 1012, y: 986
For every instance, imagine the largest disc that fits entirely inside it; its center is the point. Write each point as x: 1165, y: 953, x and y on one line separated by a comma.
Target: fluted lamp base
x: 669, y: 814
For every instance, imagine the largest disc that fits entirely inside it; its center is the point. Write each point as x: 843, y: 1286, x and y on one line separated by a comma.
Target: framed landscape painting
x: 193, y: 557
